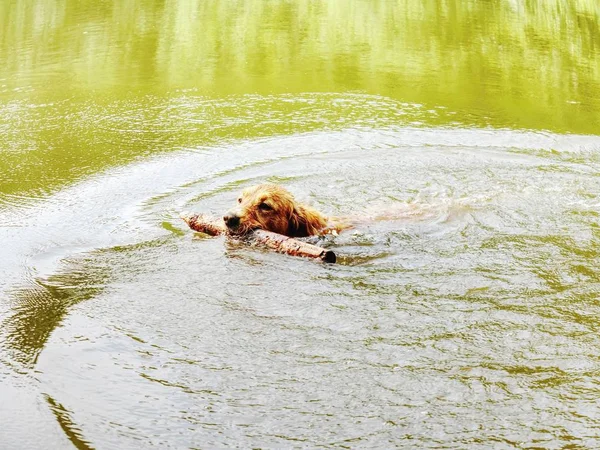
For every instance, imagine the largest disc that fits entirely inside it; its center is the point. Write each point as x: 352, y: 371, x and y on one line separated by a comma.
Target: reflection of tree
x: 41, y: 308
x: 71, y: 429
x: 262, y: 46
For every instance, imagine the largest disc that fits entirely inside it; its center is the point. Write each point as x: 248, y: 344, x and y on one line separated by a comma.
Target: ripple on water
x: 463, y: 312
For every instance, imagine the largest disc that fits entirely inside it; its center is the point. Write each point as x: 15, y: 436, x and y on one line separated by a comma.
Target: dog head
x: 273, y: 208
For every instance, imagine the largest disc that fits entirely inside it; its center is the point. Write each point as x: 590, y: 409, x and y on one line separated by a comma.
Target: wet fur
x: 273, y: 208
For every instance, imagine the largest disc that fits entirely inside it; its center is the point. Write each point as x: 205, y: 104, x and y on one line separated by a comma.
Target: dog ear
x: 303, y: 222
x: 296, y: 226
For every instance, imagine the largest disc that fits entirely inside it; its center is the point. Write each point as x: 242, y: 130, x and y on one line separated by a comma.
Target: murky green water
x: 466, y: 318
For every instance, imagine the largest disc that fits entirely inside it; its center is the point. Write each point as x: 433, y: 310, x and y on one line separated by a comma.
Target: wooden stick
x: 204, y: 224
x: 291, y: 246
x: 275, y: 241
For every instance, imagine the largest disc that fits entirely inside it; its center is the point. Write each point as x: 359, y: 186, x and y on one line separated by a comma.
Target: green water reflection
x: 69, y: 67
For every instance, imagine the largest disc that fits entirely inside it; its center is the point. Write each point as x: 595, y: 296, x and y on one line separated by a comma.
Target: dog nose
x: 231, y: 220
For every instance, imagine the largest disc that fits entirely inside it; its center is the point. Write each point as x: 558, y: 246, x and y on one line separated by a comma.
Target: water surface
x: 464, y: 314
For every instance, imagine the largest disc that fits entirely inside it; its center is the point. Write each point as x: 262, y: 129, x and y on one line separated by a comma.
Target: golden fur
x: 273, y: 208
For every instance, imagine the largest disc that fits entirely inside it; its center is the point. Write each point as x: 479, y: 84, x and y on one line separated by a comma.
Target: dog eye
x: 264, y: 207
x: 240, y: 200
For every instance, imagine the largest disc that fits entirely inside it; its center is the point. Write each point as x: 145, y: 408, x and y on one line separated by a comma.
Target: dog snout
x: 232, y: 220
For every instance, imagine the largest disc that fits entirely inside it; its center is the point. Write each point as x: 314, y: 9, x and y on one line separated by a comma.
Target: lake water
x: 465, y: 315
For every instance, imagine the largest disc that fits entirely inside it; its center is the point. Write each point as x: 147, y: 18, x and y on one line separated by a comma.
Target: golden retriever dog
x: 273, y: 208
